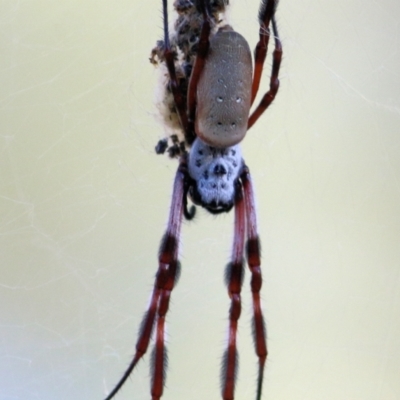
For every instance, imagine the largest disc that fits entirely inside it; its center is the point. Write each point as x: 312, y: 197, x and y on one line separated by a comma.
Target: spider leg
x: 203, y: 46
x: 267, y: 9
x: 159, y: 361
x: 166, y: 278
x: 253, y: 260
x: 179, y: 100
x: 234, y: 279
x: 276, y: 63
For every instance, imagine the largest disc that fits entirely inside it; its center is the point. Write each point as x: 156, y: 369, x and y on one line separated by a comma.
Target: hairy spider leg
x: 180, y: 103
x: 203, y: 46
x: 253, y: 255
x: 166, y: 277
x: 234, y: 279
x: 170, y: 266
x: 274, y: 81
x: 265, y: 13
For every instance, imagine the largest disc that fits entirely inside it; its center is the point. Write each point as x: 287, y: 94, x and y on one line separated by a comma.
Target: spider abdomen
x: 224, y: 90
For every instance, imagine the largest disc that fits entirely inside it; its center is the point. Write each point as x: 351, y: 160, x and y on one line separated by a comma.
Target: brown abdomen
x: 224, y: 90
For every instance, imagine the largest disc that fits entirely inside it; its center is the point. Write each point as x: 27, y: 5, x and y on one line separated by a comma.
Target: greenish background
x: 84, y: 202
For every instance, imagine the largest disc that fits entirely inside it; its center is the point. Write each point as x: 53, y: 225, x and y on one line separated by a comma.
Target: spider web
x: 84, y: 201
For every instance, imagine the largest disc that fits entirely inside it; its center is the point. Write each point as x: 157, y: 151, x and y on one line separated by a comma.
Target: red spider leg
x: 265, y: 14
x: 274, y: 82
x: 234, y: 278
x: 159, y: 361
x: 179, y: 100
x: 203, y: 46
x: 253, y: 260
x: 165, y: 279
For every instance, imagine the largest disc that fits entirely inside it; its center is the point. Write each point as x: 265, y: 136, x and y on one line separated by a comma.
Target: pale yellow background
x: 84, y: 201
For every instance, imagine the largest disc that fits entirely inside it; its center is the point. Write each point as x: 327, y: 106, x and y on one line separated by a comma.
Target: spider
x: 208, y: 89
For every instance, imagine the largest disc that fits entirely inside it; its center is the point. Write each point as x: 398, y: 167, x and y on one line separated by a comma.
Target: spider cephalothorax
x: 214, y: 172
x: 208, y: 87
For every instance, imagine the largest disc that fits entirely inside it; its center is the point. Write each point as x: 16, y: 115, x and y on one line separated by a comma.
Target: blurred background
x: 84, y: 203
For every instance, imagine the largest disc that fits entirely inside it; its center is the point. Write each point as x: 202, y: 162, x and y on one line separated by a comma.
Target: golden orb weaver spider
x: 209, y: 89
